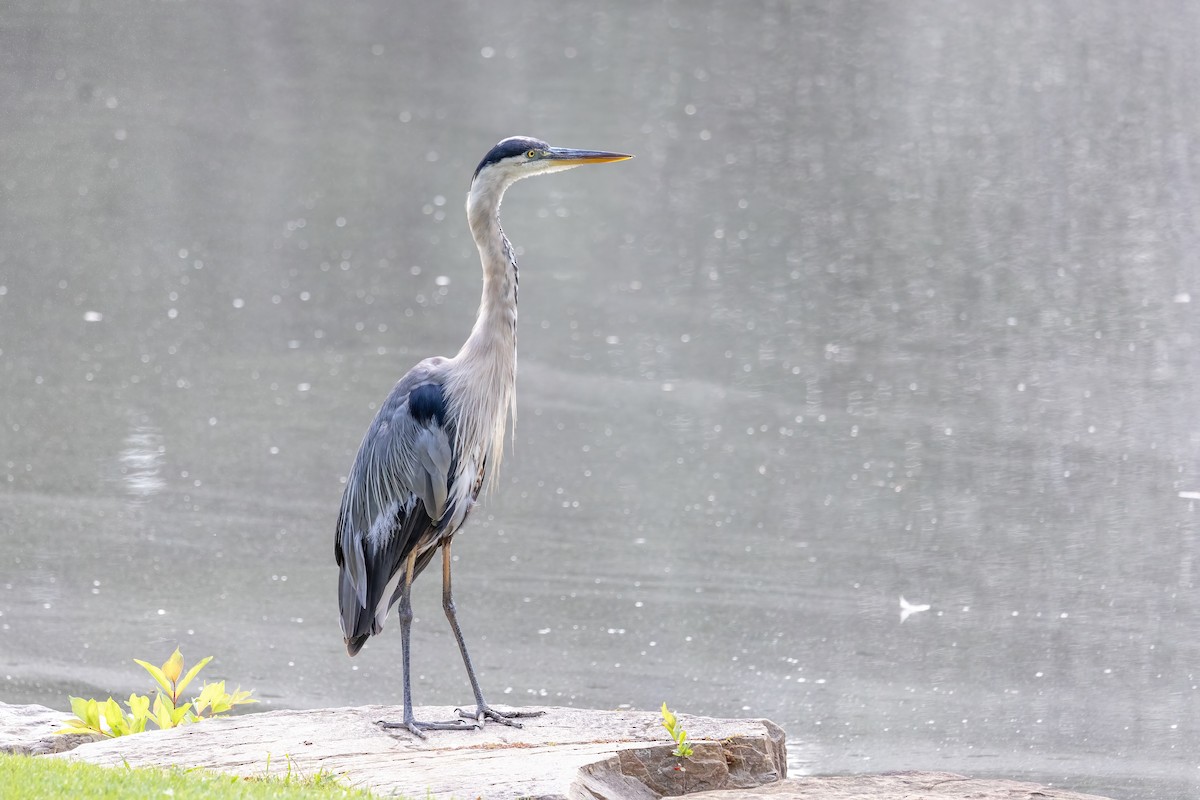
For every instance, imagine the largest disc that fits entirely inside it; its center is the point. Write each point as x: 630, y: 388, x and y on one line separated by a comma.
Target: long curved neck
x: 482, y: 378
x: 494, y: 336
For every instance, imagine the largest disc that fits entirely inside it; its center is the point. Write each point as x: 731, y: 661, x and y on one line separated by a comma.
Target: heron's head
x: 520, y: 157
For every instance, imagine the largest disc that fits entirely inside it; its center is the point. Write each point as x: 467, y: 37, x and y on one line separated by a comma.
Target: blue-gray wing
x: 395, y: 497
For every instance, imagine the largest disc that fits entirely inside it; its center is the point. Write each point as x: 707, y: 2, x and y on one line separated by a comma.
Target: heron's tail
x: 363, y: 615
x: 358, y: 624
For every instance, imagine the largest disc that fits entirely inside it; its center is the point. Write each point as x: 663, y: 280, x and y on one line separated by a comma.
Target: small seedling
x: 671, y: 723
x: 108, y: 718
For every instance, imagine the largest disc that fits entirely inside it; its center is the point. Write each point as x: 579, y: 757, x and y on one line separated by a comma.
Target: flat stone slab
x: 568, y: 753
x: 29, y: 731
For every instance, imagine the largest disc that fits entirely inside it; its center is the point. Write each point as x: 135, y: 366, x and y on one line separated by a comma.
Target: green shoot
x: 671, y: 723
x: 166, y: 711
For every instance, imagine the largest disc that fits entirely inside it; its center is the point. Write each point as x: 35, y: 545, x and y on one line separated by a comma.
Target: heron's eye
x: 531, y: 154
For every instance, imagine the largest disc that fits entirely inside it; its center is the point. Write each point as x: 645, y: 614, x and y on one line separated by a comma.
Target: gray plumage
x: 394, y: 502
x: 438, y: 439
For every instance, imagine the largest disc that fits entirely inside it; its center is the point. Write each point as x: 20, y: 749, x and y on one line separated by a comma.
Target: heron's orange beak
x: 573, y: 158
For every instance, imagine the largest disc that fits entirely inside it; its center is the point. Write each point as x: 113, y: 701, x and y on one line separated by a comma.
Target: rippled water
x: 897, y: 307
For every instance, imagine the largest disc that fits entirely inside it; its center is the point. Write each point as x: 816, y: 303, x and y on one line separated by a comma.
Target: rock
x: 576, y: 753
x: 29, y: 730
x: 897, y: 786
x: 568, y: 753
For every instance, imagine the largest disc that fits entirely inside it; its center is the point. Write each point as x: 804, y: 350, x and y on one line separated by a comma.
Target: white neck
x: 482, y: 380
x: 494, y: 336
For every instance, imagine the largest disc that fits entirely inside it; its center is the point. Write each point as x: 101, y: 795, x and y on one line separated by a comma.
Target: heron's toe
x: 503, y: 717
x: 411, y: 727
x: 418, y: 728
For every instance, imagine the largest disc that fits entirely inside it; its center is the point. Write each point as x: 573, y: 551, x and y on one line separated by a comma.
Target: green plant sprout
x: 671, y: 723
x: 109, y: 719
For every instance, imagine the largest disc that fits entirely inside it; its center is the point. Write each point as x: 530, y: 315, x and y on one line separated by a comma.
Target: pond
x: 862, y: 399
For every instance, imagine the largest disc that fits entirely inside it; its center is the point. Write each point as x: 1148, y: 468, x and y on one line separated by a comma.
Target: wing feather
x: 394, y: 499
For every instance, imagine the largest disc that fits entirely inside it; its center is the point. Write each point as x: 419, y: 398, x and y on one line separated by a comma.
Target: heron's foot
x: 486, y: 712
x: 417, y: 728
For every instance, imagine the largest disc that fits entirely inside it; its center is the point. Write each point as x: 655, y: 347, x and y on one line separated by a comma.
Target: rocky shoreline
x: 571, y: 753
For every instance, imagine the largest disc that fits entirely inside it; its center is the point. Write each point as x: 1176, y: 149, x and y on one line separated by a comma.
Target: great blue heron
x: 438, y: 439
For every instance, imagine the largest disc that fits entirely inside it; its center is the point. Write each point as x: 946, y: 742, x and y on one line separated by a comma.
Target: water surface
x: 897, y: 300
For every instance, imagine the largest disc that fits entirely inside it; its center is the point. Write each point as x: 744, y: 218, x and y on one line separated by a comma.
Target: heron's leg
x: 406, y: 617
x: 482, y: 709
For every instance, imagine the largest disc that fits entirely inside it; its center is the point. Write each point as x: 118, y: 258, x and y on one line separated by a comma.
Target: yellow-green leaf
x: 668, y: 719
x: 92, y: 719
x: 172, y: 668
x: 192, y: 673
x: 177, y: 714
x: 79, y: 708
x: 162, y: 713
x: 139, y: 706
x: 155, y: 673
x: 118, y: 725
x: 219, y: 702
x: 203, y: 700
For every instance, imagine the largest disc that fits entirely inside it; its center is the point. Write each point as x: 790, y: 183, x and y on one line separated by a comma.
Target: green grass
x: 36, y: 778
